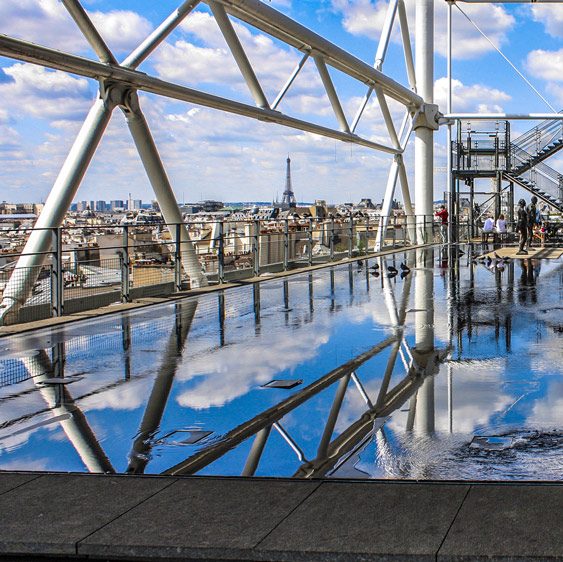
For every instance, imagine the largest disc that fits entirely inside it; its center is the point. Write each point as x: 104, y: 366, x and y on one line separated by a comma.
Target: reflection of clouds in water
x: 34, y: 465
x: 547, y: 411
x: 128, y: 396
x: 477, y: 396
x: 231, y: 371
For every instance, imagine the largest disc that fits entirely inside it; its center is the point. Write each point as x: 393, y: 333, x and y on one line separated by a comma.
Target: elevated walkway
x: 101, y: 517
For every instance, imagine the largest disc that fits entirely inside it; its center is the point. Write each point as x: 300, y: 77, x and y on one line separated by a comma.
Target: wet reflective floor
x: 451, y: 369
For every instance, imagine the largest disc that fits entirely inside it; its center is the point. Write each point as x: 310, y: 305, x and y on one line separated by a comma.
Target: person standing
x: 532, y: 211
x: 522, y: 226
x: 442, y: 214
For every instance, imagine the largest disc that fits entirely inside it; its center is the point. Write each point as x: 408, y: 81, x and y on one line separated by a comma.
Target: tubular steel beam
x: 385, y: 34
x: 290, y: 80
x: 81, y: 18
x: 198, y: 461
x: 159, y: 34
x: 502, y: 116
x: 38, y: 244
x: 238, y: 53
x: 331, y: 93
x: 163, y: 190
x: 22, y: 50
x: 265, y: 18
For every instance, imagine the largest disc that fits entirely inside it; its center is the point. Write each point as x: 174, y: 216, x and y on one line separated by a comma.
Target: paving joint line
x: 452, y: 522
x: 35, y: 477
x: 289, y: 514
x: 121, y: 515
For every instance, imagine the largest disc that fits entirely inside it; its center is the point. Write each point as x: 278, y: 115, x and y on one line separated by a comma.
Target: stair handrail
x: 553, y: 128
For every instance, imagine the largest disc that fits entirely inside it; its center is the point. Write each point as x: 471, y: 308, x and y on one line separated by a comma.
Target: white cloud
x: 551, y: 16
x: 546, y: 64
x: 45, y: 94
x: 469, y: 97
x: 205, y: 58
x: 48, y: 23
x: 365, y: 17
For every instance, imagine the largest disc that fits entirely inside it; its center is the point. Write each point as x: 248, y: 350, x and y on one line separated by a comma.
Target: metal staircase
x: 527, y: 167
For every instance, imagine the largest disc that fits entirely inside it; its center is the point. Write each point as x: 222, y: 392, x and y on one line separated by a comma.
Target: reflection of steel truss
x: 329, y: 450
x: 64, y: 408
x: 120, y: 82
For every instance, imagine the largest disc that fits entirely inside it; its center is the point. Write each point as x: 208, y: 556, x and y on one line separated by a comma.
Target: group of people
x: 493, y: 227
x: 527, y: 219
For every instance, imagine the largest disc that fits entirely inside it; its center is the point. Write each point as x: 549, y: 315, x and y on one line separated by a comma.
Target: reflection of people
x: 442, y: 214
x: 522, y: 226
x: 533, y: 219
x: 488, y: 228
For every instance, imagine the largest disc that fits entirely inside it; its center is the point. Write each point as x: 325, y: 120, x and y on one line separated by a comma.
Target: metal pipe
x: 331, y: 93
x: 63, y: 408
x: 407, y: 49
x: 387, y: 203
x: 424, y: 141
x: 333, y: 415
x: 290, y: 80
x: 256, y: 451
x: 27, y: 269
x: 238, y: 53
x: 449, y: 176
x: 409, y: 211
x: 159, y: 34
x: 251, y: 427
x: 385, y: 34
x: 503, y: 116
x: 171, y: 356
x: 91, y: 34
x: 361, y: 109
x: 387, y: 118
x: 22, y: 50
x: 271, y: 21
x: 163, y: 190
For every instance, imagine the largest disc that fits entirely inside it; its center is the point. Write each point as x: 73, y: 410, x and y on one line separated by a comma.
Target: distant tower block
x: 288, y: 201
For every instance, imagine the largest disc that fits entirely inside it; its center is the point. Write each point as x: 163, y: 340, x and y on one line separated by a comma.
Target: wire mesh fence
x: 97, y: 265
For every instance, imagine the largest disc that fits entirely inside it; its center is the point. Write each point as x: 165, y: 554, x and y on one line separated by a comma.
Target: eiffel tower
x: 288, y: 201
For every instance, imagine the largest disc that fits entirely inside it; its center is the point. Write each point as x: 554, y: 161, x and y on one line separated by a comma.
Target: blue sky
x: 209, y: 154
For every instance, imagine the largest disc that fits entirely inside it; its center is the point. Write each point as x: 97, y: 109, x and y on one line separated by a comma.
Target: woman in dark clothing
x: 522, y: 226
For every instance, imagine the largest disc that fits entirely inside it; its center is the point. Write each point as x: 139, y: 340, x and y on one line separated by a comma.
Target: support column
x: 424, y: 338
x: 64, y: 189
x: 163, y: 190
x: 424, y: 150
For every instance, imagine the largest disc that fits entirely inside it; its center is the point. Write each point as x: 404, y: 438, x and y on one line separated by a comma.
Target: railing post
x: 331, y: 239
x: 286, y: 244
x: 350, y: 235
x: 310, y: 245
x: 125, y: 263
x: 178, y: 259
x: 255, y: 251
x: 367, y: 234
x: 57, y: 283
x: 221, y: 253
x: 394, y: 231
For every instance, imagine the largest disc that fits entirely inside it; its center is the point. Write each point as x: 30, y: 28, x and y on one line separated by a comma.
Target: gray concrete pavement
x: 103, y: 517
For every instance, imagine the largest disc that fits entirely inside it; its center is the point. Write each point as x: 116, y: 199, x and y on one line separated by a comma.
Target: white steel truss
x: 120, y: 82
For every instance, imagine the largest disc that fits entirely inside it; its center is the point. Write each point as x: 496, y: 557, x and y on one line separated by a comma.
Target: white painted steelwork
x: 119, y: 85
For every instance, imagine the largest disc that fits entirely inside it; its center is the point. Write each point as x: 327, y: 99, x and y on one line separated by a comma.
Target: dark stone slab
x: 507, y: 522
x: 50, y: 514
x: 199, y: 517
x: 367, y: 521
x: 11, y: 480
